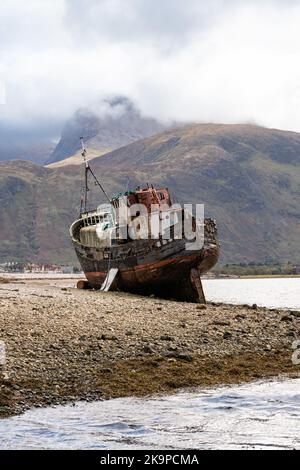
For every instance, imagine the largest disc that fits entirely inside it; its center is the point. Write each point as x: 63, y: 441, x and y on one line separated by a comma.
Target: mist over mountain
x: 248, y: 177
x: 105, y: 126
x: 111, y: 124
x: 25, y: 144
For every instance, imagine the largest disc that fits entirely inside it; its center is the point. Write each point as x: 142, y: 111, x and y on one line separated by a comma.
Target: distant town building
x: 14, y: 267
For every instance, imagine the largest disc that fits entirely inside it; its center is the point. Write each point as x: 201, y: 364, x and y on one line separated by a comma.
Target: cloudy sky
x: 221, y: 61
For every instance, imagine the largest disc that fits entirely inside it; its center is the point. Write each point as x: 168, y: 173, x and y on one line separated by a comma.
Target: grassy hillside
x: 247, y: 176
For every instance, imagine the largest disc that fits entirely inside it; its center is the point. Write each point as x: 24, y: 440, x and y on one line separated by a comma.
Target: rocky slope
x: 116, y: 123
x: 248, y: 178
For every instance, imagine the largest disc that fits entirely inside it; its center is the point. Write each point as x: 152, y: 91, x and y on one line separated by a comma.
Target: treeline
x: 257, y: 269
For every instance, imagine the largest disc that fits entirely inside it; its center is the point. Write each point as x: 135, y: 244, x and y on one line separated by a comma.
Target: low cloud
x: 2, y: 93
x: 165, y: 24
x: 221, y: 61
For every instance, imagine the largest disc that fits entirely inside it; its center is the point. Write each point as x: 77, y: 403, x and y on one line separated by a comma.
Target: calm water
x: 253, y: 416
x: 273, y: 293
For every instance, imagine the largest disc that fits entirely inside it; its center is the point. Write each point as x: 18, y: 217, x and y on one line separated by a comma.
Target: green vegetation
x: 260, y: 269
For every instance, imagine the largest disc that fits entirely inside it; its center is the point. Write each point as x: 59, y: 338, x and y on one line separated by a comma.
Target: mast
x: 87, y: 170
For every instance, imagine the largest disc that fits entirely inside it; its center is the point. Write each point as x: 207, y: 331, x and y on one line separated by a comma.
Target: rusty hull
x: 168, y: 271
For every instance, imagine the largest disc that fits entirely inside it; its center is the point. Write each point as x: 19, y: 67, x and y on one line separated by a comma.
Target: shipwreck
x: 140, y: 242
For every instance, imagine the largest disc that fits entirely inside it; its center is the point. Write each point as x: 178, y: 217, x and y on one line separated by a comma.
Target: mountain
x: 248, y: 177
x: 19, y: 144
x: 115, y: 123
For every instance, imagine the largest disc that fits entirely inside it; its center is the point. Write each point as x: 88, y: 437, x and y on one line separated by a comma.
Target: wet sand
x: 64, y: 345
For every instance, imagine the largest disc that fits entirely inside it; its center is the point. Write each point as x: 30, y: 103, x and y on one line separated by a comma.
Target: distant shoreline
x: 64, y: 345
x: 62, y: 277
x: 252, y: 276
x: 270, y: 276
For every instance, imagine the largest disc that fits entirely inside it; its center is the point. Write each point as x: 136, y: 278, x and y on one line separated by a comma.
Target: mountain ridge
x: 116, y: 123
x: 248, y: 177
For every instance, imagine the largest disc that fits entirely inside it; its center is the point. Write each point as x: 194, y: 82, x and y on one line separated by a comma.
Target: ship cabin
x: 103, y: 227
x: 103, y: 216
x: 149, y: 197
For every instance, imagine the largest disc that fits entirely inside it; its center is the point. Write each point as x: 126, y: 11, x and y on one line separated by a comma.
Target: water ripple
x: 260, y: 415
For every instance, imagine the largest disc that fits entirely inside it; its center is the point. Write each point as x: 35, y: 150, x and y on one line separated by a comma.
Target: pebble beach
x: 64, y: 345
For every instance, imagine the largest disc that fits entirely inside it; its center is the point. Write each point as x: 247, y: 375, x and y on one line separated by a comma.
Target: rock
x: 240, y: 317
x: 291, y: 334
x: 4, y: 376
x: 108, y: 338
x: 254, y: 307
x: 154, y: 363
x: 15, y: 387
x: 286, y: 318
x: 129, y: 333
x: 106, y: 370
x: 147, y: 349
x: 221, y: 323
x: 185, y: 357
x: 35, y: 334
x: 295, y: 313
x: 201, y: 307
x: 227, y: 335
x: 167, y: 338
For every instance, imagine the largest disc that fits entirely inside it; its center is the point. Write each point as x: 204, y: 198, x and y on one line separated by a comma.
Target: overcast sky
x: 221, y: 61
